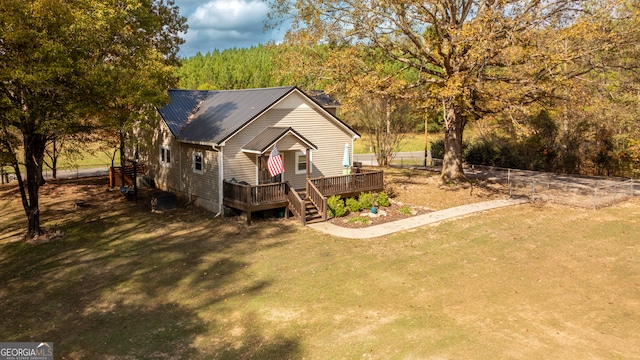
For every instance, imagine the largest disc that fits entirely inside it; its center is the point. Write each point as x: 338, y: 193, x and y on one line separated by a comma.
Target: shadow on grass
x: 127, y: 282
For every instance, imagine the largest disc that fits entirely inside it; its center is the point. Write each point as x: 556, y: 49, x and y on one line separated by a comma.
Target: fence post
x: 595, y: 198
x: 510, y: 189
x: 533, y: 190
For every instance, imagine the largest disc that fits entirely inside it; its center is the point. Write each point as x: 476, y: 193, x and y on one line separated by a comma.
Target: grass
x: 534, y: 282
x: 88, y: 157
x: 409, y: 142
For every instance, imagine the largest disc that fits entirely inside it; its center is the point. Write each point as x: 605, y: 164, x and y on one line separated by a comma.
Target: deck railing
x: 268, y: 193
x: 318, y: 199
x: 367, y: 180
x: 296, y: 204
x: 268, y: 196
x: 253, y: 195
x: 115, y: 174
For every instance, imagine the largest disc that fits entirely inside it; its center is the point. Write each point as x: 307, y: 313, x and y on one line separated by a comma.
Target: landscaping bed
x: 415, y: 192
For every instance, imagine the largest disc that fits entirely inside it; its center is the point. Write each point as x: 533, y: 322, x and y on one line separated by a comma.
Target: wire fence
x: 574, y: 190
x: 8, y: 175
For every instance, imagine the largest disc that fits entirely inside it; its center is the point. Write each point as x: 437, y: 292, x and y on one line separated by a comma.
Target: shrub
x: 383, y: 199
x: 335, y: 206
x: 406, y: 210
x: 437, y: 149
x: 359, y: 219
x: 353, y: 205
x: 366, y: 200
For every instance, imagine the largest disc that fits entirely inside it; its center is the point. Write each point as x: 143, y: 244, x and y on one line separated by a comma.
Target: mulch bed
x: 393, y: 212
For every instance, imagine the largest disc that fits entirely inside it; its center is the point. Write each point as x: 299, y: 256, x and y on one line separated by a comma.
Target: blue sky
x: 223, y: 24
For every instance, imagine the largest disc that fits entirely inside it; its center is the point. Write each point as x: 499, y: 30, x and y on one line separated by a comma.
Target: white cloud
x: 230, y: 15
x: 221, y: 24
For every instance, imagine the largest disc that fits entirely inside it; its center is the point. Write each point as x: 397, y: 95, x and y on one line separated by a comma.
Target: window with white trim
x: 301, y: 163
x: 165, y: 155
x: 198, y: 162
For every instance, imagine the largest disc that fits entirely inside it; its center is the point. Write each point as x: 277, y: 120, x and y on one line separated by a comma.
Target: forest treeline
x: 237, y: 68
x: 592, y: 129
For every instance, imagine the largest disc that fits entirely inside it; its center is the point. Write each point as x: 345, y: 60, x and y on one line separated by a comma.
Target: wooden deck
x: 251, y: 198
x: 350, y: 185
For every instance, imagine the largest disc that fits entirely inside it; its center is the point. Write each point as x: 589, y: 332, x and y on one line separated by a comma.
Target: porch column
x: 306, y: 183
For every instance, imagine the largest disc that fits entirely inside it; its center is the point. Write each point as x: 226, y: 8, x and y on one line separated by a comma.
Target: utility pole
x: 428, y: 161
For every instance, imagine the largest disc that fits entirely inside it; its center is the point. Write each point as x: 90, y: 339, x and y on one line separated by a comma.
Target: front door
x: 263, y: 172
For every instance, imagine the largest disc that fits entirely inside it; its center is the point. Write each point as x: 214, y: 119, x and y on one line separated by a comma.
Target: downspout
x: 180, y: 183
x: 220, y: 180
x: 308, y: 172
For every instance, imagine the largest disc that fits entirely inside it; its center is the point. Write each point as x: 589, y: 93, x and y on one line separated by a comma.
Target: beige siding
x: 294, y: 111
x: 179, y: 177
x: 166, y: 177
x: 201, y: 188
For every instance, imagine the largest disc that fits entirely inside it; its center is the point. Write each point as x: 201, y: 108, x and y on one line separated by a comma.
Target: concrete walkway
x: 412, y: 222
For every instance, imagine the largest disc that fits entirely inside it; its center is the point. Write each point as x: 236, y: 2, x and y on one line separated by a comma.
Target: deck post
x: 308, y: 171
x: 247, y: 194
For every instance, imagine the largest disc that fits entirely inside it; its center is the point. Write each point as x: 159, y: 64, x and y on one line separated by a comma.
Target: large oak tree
x: 70, y: 66
x: 474, y: 57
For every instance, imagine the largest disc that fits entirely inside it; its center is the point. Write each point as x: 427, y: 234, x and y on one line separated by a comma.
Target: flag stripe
x: 275, y: 164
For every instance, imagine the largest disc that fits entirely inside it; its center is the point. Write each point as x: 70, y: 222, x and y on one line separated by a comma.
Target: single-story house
x: 212, y: 148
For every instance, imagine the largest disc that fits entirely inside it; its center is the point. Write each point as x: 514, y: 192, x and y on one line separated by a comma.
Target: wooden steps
x: 312, y: 215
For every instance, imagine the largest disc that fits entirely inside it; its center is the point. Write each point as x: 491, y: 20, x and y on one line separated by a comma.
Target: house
x: 212, y: 148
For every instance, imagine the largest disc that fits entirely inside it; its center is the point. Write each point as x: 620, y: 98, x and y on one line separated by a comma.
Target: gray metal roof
x: 211, y: 116
x: 181, y: 106
x: 269, y: 136
x: 323, y: 99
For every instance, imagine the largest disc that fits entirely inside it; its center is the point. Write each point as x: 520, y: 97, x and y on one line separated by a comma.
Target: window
x: 301, y: 163
x: 165, y: 155
x: 198, y: 162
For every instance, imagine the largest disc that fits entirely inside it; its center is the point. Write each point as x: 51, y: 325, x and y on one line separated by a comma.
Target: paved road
x: 370, y: 159
x: 79, y: 173
x: 71, y: 174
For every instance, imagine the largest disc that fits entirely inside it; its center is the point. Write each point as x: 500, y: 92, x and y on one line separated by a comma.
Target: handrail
x: 116, y: 174
x: 336, y: 185
x: 265, y: 193
x: 254, y: 194
x: 317, y: 199
x: 296, y: 204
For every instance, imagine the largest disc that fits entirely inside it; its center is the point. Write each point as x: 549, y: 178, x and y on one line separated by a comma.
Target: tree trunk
x: 54, y: 161
x: 122, y: 161
x: 387, y: 143
x: 454, y: 124
x: 34, y: 146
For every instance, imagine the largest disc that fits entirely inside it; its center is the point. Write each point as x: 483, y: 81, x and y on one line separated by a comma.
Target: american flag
x: 274, y: 163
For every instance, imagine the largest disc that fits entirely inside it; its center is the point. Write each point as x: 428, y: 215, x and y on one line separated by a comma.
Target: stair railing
x: 296, y: 204
x: 319, y: 200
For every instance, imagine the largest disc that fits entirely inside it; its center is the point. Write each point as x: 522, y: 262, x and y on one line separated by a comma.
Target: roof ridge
x: 237, y: 90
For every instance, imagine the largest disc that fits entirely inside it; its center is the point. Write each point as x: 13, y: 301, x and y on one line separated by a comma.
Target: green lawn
x: 91, y: 156
x: 526, y: 282
x: 409, y: 142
